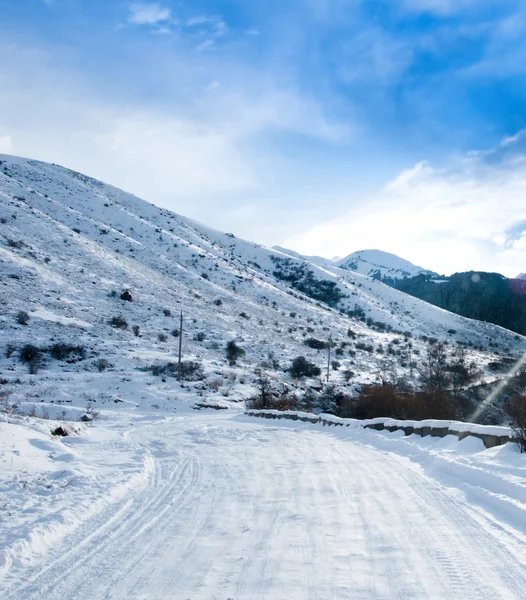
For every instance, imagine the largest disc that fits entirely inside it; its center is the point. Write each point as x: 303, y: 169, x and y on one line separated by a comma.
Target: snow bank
x: 490, y: 435
x: 50, y: 485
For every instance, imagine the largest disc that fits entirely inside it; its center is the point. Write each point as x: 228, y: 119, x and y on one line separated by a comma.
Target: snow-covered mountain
x: 374, y: 263
x: 381, y: 265
x: 70, y: 245
x: 521, y: 276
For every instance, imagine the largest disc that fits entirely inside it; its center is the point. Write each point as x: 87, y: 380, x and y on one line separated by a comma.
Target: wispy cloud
x: 447, y: 7
x: 6, y: 144
x: 374, y: 55
x: 203, y: 160
x: 470, y: 216
x: 143, y: 13
x: 203, y: 30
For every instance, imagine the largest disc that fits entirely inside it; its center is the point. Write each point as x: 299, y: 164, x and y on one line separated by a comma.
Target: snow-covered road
x: 243, y: 509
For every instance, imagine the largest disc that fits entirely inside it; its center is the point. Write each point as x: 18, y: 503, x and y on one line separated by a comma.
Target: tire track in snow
x: 126, y: 521
x: 253, y: 512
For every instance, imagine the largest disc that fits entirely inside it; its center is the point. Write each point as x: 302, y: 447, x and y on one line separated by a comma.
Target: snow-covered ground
x: 220, y: 505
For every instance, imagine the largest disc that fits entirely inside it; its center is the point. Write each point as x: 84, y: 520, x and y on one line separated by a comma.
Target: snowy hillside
x: 379, y: 264
x: 70, y: 245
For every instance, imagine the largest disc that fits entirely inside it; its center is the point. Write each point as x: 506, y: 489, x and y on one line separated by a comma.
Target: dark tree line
x: 484, y: 296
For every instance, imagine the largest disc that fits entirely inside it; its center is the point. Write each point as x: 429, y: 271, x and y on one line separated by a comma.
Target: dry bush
x: 281, y: 403
x: 118, y: 322
x: 4, y: 401
x: 101, y: 364
x: 22, y: 317
x: 215, y: 384
x: 64, y: 351
x: 517, y: 410
x: 29, y: 353
x: 386, y: 401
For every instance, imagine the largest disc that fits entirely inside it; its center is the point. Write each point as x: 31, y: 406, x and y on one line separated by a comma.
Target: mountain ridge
x: 374, y: 263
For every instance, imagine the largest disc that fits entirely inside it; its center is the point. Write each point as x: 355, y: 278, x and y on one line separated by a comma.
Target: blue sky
x: 324, y: 125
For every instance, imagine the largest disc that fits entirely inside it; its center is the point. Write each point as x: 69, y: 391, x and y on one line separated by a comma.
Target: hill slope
x: 69, y: 245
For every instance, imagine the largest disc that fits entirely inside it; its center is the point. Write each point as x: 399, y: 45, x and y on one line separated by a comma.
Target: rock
x: 126, y: 295
x: 60, y: 431
x: 86, y: 418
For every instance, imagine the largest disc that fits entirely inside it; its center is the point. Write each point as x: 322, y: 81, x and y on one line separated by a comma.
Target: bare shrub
x: 316, y: 344
x: 29, y: 353
x: 301, y: 367
x: 190, y: 370
x: 332, y: 399
x: 434, y: 369
x: 388, y: 401
x: 34, y: 366
x: 101, y: 364
x: 233, y: 352
x: 517, y: 410
x: 215, y: 384
x: 136, y: 330
x: 22, y: 317
x: 118, y: 322
x: 348, y: 374
x: 4, y: 401
x: 162, y: 337
x: 64, y: 351
x: 270, y: 395
x: 9, y: 350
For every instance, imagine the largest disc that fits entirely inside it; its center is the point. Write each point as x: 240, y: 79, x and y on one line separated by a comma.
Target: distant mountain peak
x: 381, y: 265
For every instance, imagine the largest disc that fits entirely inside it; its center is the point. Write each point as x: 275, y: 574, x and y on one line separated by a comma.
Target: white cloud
x: 205, y: 159
x: 513, y: 139
x: 143, y: 13
x: 520, y: 243
x: 206, y: 45
x: 196, y: 21
x: 6, y: 144
x: 443, y: 7
x: 447, y: 220
x: 383, y: 59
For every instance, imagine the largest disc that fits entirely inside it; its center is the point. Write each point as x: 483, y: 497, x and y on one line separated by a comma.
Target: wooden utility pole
x: 180, y: 346
x: 329, y: 356
x: 411, y: 361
